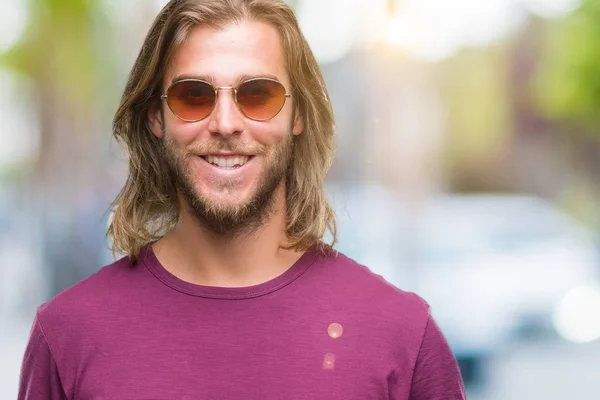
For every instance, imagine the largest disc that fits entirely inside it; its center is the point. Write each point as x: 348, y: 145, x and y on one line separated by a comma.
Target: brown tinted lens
x: 191, y: 100
x: 261, y: 99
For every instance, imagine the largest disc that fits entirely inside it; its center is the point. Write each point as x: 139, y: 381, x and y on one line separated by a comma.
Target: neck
x: 196, y: 255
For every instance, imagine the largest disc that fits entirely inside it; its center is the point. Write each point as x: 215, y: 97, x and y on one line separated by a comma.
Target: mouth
x: 227, y: 162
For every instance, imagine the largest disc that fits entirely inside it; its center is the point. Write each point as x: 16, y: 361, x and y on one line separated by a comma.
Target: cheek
x: 183, y: 133
x: 272, y: 133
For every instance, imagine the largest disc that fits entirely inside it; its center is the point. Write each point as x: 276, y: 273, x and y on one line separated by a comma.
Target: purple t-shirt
x: 327, y: 328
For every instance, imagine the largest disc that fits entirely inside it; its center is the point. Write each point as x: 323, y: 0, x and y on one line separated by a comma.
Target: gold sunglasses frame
x: 235, y: 91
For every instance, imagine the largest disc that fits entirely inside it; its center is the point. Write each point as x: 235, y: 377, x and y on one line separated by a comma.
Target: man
x: 227, y: 291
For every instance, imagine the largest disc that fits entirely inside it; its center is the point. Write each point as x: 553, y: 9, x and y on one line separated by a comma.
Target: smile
x: 229, y: 162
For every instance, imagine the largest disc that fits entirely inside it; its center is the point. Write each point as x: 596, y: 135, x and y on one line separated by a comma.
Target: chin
x: 226, y: 199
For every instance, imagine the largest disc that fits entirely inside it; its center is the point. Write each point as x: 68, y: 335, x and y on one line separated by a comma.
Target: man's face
x: 225, y: 199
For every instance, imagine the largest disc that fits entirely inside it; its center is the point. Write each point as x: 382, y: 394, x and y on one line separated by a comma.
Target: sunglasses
x: 259, y: 99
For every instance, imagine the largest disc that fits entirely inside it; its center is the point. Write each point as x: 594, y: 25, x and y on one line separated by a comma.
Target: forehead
x: 225, y: 56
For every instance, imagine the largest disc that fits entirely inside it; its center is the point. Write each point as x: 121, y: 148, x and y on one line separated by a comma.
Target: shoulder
x: 87, y: 297
x: 369, y: 283
x: 379, y: 317
x: 373, y: 293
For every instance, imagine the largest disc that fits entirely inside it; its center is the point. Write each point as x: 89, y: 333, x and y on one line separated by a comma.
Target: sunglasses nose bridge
x: 225, y: 117
x: 226, y: 88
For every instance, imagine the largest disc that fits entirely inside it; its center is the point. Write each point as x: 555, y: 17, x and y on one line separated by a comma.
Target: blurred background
x: 466, y: 171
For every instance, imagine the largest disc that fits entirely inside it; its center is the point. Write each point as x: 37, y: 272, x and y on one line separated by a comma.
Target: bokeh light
x: 577, y: 315
x: 13, y: 21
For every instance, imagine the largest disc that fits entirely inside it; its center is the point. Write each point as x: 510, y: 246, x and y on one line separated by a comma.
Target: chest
x: 289, y: 357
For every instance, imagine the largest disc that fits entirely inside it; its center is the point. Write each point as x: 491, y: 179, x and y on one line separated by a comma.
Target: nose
x: 226, y: 119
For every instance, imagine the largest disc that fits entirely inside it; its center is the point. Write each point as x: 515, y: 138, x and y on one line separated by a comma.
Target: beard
x: 222, y: 219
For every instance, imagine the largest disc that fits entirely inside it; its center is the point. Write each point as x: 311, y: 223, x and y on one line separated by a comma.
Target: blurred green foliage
x: 568, y: 83
x: 61, y: 49
x: 475, y: 87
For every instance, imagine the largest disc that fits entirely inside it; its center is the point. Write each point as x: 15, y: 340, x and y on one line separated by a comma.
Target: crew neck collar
x: 149, y: 259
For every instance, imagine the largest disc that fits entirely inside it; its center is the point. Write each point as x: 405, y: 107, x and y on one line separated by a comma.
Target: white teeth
x: 227, y: 162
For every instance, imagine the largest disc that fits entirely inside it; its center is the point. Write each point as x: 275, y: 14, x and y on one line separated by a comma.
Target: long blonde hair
x: 147, y: 206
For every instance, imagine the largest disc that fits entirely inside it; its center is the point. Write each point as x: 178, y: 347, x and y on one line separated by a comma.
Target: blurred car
x: 492, y: 267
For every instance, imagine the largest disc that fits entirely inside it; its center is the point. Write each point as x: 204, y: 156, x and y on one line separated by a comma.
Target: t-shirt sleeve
x: 39, y: 374
x: 436, y: 374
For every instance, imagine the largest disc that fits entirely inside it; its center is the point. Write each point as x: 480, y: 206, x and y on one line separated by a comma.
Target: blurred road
x: 549, y: 370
